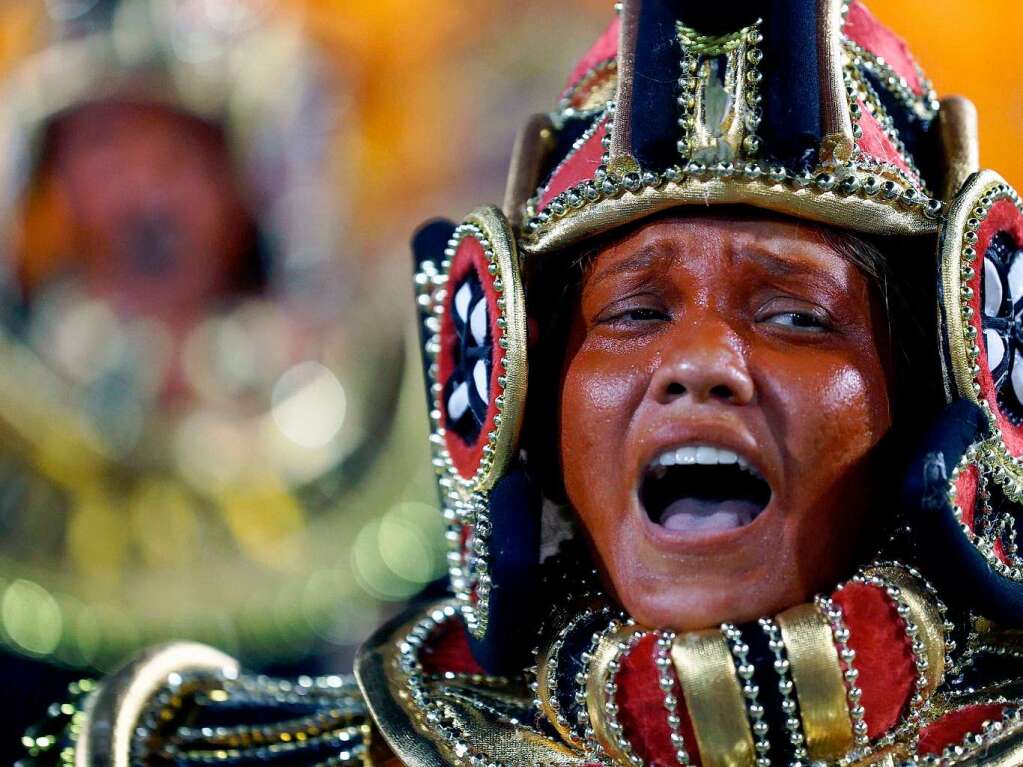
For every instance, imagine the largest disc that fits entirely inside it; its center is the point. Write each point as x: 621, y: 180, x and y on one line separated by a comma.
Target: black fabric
x: 428, y: 244
x: 655, y: 129
x: 515, y: 572
x: 467, y: 353
x: 766, y: 679
x: 790, y: 129
x: 946, y: 556
x: 570, y: 663
x: 791, y: 124
x: 918, y: 135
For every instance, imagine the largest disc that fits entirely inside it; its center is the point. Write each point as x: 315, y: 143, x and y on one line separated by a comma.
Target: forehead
x: 783, y: 246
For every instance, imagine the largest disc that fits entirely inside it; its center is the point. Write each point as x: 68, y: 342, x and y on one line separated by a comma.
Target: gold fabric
x: 838, y: 143
x: 960, y: 142
x: 706, y: 672
x: 417, y: 713
x: 817, y: 675
x: 861, y: 214
x: 608, y: 649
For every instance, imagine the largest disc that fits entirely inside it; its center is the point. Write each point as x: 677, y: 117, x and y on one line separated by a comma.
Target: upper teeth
x: 701, y: 454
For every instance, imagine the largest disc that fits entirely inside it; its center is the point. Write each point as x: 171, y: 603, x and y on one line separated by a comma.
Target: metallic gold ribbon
x: 820, y: 688
x: 713, y: 698
x: 927, y: 619
x: 609, y: 648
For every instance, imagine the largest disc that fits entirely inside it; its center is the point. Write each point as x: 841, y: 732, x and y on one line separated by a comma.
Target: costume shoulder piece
x: 186, y: 704
x: 862, y: 677
x: 866, y: 676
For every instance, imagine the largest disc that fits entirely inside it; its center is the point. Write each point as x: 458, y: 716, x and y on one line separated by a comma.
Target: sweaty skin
x: 746, y: 333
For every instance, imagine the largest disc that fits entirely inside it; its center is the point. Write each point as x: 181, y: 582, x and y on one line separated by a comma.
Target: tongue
x: 695, y: 515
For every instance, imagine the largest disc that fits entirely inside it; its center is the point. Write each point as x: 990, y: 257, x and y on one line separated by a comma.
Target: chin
x: 703, y: 598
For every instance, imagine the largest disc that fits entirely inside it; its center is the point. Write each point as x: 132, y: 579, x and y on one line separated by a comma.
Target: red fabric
x: 448, y: 650
x: 966, y: 493
x: 955, y: 726
x: 641, y: 710
x: 1004, y: 217
x: 875, y: 143
x: 469, y: 255
x: 884, y: 656
x: 604, y: 49
x: 578, y: 167
x: 867, y: 32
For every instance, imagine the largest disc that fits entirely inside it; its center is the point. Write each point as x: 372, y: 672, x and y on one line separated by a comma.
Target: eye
x: 636, y: 315
x: 806, y: 321
x: 642, y: 314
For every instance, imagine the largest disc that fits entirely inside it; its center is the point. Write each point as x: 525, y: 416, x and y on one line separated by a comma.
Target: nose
x: 705, y: 361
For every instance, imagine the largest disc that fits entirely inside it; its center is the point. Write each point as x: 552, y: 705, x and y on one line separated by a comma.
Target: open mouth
x: 699, y: 489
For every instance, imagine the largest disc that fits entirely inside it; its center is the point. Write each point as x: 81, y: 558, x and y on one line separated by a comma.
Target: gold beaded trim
x: 820, y: 686
x: 742, y: 78
x: 465, y: 500
x: 602, y: 688
x: 706, y: 670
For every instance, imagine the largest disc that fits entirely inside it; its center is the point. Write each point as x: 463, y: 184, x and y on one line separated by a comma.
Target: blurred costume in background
x: 194, y: 379
x: 812, y: 110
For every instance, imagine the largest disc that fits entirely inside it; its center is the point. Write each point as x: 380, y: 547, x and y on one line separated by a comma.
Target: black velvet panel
x: 515, y: 572
x: 791, y: 126
x: 919, y: 136
x: 570, y: 662
x: 766, y: 678
x: 947, y: 557
x: 428, y: 244
x: 790, y: 130
x: 655, y: 129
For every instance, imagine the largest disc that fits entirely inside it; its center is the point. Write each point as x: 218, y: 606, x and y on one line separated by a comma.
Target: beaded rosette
x: 473, y: 319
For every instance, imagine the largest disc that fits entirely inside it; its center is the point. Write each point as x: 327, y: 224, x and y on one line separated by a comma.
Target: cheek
x: 832, y: 412
x: 600, y: 392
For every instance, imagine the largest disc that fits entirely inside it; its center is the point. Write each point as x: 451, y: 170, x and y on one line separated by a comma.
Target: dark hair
x: 901, y: 270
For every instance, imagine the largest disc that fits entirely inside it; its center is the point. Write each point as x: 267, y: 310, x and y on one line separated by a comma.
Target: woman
x: 717, y: 262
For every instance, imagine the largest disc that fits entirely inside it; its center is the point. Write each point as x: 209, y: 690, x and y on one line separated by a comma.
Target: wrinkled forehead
x: 776, y: 245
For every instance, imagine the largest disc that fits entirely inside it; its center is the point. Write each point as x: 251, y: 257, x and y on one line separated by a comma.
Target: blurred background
x: 211, y: 411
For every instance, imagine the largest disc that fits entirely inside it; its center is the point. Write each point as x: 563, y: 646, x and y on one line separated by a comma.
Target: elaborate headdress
x: 809, y: 108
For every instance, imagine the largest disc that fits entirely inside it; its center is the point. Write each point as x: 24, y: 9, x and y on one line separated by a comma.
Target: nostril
x: 722, y: 392
x: 675, y: 389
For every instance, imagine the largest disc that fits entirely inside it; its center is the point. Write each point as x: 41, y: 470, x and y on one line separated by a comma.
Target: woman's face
x: 723, y: 391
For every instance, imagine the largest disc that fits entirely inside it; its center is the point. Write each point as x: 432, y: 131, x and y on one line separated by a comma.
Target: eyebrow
x: 779, y: 266
x: 770, y: 261
x: 640, y: 260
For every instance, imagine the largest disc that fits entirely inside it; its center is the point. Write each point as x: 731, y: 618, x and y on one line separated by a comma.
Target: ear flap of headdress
x: 472, y: 310
x: 970, y: 494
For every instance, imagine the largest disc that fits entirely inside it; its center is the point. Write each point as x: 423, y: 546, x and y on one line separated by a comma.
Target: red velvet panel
x: 604, y: 49
x: 883, y: 654
x: 578, y: 167
x: 955, y: 726
x: 1004, y: 217
x: 966, y: 493
x: 448, y: 650
x: 875, y: 143
x: 865, y: 30
x: 469, y: 256
x: 641, y: 710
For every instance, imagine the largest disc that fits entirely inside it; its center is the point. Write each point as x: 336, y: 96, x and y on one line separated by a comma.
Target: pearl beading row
x: 615, y: 730
x: 850, y: 674
x: 668, y: 684
x: 744, y: 670
x: 785, y: 688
